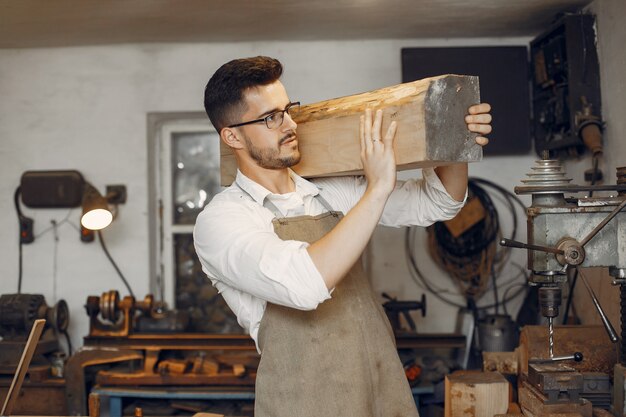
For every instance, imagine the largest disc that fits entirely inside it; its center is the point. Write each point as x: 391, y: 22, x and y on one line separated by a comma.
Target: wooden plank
x: 431, y: 128
x: 22, y: 367
x: 476, y: 394
x: 94, y: 405
x: 109, y: 378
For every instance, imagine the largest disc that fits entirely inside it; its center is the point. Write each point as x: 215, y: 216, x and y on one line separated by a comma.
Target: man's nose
x: 288, y: 122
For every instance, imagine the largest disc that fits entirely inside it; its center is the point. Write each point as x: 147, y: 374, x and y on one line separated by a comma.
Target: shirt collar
x: 259, y: 193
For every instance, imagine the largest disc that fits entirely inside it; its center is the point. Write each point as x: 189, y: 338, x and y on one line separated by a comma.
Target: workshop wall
x: 85, y: 108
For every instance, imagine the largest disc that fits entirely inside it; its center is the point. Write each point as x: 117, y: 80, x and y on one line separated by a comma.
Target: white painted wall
x: 85, y: 108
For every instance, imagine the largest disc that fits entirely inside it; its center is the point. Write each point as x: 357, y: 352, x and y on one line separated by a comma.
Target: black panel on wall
x: 503, y: 73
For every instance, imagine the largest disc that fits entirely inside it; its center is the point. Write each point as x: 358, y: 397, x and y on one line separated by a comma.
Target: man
x: 284, y: 252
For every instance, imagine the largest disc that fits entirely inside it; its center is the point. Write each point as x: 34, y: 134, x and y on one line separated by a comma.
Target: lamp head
x: 96, y: 213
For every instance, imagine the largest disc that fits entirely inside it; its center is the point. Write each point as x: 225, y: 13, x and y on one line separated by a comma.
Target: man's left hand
x: 479, y: 121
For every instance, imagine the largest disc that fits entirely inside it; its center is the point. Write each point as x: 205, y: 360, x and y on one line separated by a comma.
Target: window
x: 184, y: 151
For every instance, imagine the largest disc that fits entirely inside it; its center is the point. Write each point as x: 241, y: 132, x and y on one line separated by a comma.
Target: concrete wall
x: 85, y: 108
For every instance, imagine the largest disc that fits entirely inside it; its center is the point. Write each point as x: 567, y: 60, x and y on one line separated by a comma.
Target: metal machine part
x: 565, y: 233
x: 111, y: 316
x: 395, y: 309
x: 558, y: 382
x: 18, y: 313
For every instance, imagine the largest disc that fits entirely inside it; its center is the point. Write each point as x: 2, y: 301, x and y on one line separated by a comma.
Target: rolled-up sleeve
x: 239, y: 248
x: 420, y: 202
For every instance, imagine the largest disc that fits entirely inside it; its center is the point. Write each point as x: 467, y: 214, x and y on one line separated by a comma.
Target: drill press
x: 565, y: 233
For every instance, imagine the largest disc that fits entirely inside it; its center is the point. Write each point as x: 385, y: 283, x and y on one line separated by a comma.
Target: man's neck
x: 278, y: 181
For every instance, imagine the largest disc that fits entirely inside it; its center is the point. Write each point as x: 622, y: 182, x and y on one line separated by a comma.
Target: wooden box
x: 431, y: 128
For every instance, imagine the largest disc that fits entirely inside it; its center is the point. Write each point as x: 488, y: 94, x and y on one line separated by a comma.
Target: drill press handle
x: 515, y: 244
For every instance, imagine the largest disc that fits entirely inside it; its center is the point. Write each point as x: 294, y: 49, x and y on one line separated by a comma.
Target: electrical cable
x: 117, y: 269
x: 468, y: 257
x: 420, y: 280
x: 477, y: 244
x: 525, y: 288
x: 20, y: 216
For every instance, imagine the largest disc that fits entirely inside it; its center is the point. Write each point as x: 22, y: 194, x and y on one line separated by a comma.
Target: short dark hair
x: 223, y: 94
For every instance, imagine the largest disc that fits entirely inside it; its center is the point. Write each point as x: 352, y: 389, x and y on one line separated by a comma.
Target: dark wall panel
x: 503, y: 73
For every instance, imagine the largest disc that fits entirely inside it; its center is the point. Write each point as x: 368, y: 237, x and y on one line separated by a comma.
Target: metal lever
x: 605, y: 321
x: 576, y: 357
x: 515, y: 244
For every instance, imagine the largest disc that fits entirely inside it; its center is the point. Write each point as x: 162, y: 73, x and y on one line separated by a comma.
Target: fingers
x: 368, y: 127
x: 479, y: 128
x: 378, y: 121
x: 391, y: 134
x: 480, y: 108
x: 481, y: 140
x: 362, y: 132
x: 478, y: 118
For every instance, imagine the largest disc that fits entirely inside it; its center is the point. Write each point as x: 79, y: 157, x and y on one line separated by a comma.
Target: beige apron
x: 338, y: 360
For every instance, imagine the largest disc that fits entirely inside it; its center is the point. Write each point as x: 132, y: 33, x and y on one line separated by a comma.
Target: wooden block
x: 470, y: 214
x: 205, y: 366
x: 476, y: 394
x: 600, y: 355
x: 532, y: 403
x: 431, y: 128
x: 599, y: 412
x: 504, y: 362
x: 239, y: 369
x: 172, y: 366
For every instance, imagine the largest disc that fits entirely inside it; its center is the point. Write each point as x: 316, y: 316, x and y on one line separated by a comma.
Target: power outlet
x: 26, y: 230
x: 87, y: 235
x: 116, y: 194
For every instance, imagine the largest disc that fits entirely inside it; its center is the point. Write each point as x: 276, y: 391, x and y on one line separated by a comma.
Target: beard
x: 271, y: 158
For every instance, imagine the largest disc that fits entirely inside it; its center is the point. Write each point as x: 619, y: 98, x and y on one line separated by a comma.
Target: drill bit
x: 551, y: 337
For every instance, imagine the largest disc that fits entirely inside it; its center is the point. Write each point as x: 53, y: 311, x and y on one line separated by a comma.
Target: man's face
x: 269, y: 148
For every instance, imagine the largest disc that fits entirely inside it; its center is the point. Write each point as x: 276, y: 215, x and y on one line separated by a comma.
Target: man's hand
x: 479, y: 121
x: 377, y: 154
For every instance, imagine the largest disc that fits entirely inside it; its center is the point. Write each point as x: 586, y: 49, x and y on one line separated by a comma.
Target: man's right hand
x: 377, y: 153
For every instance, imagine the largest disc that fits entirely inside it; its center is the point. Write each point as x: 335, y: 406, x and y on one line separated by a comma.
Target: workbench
x: 116, y: 395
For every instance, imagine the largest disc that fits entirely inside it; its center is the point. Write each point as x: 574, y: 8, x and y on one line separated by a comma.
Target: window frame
x: 161, y: 127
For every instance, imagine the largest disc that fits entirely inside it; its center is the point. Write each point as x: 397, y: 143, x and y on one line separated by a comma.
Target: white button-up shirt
x: 250, y: 265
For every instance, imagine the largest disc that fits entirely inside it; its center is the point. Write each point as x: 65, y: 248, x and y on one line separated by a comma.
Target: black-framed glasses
x: 274, y: 120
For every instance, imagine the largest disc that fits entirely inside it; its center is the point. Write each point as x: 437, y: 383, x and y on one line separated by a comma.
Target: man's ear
x: 231, y: 138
